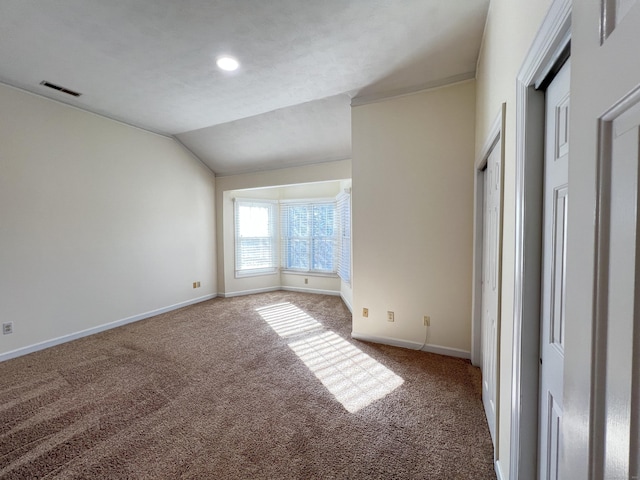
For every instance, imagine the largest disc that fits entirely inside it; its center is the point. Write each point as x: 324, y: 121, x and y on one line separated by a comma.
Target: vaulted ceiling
x: 151, y: 63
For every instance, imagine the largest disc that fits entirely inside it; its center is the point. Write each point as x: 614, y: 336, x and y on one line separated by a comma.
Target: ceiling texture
x: 151, y: 63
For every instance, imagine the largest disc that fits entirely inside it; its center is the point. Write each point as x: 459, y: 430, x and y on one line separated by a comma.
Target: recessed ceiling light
x: 227, y: 63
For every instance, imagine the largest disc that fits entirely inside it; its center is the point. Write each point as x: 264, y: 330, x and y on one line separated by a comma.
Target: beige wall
x: 300, y: 182
x: 412, y: 216
x: 511, y: 27
x: 99, y: 221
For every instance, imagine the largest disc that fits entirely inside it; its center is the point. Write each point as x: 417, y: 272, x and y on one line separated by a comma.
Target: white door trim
x: 630, y: 104
x: 495, y: 136
x: 495, y: 139
x: 549, y: 44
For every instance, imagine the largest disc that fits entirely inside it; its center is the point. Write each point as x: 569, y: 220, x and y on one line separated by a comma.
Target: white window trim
x: 274, y: 236
x: 277, y: 235
x: 310, y: 272
x: 344, y: 197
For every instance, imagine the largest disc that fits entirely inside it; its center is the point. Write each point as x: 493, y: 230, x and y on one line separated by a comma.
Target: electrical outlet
x: 195, y: 284
x: 427, y: 321
x: 365, y: 312
x: 306, y: 281
x: 198, y: 283
x: 7, y: 328
x: 391, y: 317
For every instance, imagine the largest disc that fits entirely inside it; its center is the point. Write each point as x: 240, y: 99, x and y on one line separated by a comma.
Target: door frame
x: 548, y: 47
x: 495, y: 136
x: 495, y: 139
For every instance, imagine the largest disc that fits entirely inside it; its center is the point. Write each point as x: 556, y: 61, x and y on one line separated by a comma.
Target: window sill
x: 309, y: 274
x: 254, y: 274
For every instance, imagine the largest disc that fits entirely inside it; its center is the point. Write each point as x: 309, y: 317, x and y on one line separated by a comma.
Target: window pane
x: 323, y: 254
x: 255, y: 253
x: 323, y: 221
x: 255, y: 237
x: 298, y: 254
x: 309, y: 237
x: 253, y: 221
x: 298, y: 221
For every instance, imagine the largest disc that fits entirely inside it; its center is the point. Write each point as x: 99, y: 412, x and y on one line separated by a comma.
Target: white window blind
x: 343, y: 211
x: 308, y: 236
x: 255, y: 235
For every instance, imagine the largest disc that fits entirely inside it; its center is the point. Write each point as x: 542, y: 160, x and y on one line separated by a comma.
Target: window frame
x: 272, y: 226
x: 285, y: 237
x: 343, y: 212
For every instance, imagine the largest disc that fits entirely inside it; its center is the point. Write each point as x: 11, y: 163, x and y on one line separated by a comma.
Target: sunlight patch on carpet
x: 353, y: 377
x: 288, y: 320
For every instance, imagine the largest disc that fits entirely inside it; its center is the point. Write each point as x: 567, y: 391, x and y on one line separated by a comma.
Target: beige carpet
x: 267, y: 386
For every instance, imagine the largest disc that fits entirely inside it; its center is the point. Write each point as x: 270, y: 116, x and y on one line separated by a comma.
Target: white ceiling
x: 151, y: 63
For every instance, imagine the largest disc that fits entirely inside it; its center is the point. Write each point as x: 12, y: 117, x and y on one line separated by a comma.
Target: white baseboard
x: 346, y: 302
x: 100, y: 328
x: 394, y: 342
x: 498, y: 470
x: 448, y: 351
x: 310, y: 290
x: 397, y: 342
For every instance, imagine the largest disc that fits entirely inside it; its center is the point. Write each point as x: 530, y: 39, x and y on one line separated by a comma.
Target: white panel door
x: 490, y: 286
x: 552, y: 333
x: 602, y: 361
x: 621, y: 356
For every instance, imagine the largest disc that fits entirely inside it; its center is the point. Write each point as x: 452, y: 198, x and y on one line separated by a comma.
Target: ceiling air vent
x: 59, y: 88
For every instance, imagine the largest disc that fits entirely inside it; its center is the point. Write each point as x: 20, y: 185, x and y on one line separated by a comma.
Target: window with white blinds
x: 308, y: 236
x: 343, y: 211
x: 255, y: 235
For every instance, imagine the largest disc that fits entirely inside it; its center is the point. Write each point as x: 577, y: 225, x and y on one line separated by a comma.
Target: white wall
x: 510, y: 29
x: 301, y: 182
x: 412, y: 216
x: 99, y: 221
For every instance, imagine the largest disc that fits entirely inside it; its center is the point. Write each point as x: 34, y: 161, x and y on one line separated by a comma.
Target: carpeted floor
x: 267, y: 386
